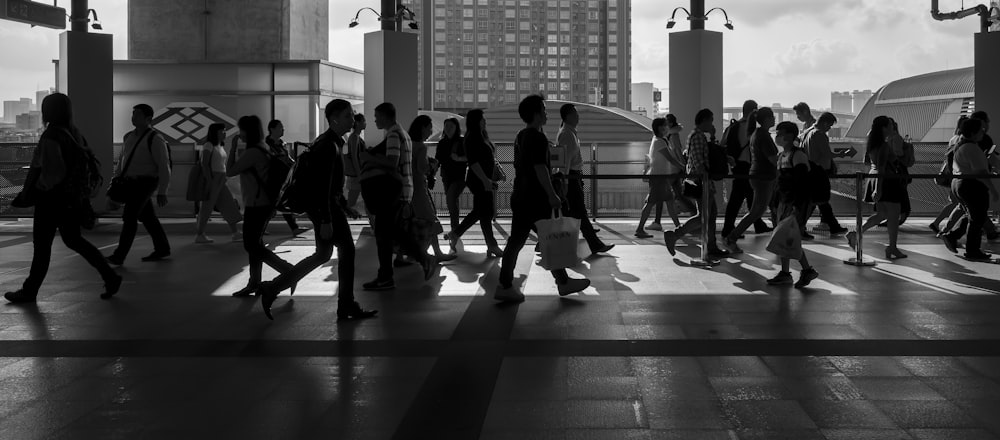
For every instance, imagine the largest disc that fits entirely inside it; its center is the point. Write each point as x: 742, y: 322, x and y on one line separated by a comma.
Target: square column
x: 86, y: 76
x: 390, y: 76
x: 987, y: 72
x: 696, y: 76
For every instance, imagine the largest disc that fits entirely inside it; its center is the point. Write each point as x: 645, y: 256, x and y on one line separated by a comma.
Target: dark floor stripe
x: 532, y: 348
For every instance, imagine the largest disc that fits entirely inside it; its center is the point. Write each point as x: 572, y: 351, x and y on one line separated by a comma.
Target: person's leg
x: 578, y: 209
x: 761, y: 199
x: 147, y: 215
x: 253, y: 240
x: 479, y: 202
x: 827, y: 216
x: 658, y: 218
x: 486, y: 210
x: 229, y: 208
x: 130, y: 225
x: 975, y: 197
x: 644, y: 215
x: 892, y: 216
x: 713, y: 214
x: 386, y: 202
x: 209, y: 205
x: 69, y: 230
x: 945, y: 213
x: 43, y: 231
x: 739, y: 192
x: 293, y: 224
x: 346, y: 255
x: 322, y: 254
x: 675, y: 195
x: 957, y: 215
x: 452, y: 194
x: 519, y: 229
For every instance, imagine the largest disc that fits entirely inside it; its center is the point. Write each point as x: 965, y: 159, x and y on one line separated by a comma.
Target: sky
x: 781, y: 51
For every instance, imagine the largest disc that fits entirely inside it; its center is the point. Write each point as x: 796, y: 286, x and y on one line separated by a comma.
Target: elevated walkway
x: 654, y: 349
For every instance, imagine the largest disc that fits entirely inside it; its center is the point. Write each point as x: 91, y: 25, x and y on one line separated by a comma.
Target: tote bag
x: 786, y: 239
x: 557, y: 239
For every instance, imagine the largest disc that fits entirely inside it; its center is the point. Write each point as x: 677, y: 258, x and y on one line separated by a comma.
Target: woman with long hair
x: 664, y: 157
x: 763, y: 172
x: 213, y: 162
x: 450, y: 155
x: 56, y: 162
x: 482, y: 181
x: 975, y: 194
x: 424, y: 211
x: 953, y: 205
x: 252, y: 168
x: 886, y: 190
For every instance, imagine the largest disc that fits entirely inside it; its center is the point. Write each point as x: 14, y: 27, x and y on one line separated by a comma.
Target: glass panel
x: 130, y: 77
x: 292, y: 78
x: 296, y: 113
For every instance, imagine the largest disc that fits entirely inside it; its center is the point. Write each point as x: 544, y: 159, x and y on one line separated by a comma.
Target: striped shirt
x: 398, y: 143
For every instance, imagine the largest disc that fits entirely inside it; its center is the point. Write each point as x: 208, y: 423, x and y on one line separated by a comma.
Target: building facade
x: 488, y: 53
x: 645, y: 99
x: 841, y: 102
x: 13, y: 108
x: 860, y: 98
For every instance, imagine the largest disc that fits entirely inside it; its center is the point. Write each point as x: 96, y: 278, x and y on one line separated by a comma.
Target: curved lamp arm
x: 729, y: 23
x: 358, y: 15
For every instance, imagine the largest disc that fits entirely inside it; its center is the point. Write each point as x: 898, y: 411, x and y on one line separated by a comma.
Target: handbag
x: 944, y: 175
x: 199, y: 186
x: 557, y: 241
x: 118, y: 189
x: 786, y: 239
x: 29, y: 194
x: 691, y: 189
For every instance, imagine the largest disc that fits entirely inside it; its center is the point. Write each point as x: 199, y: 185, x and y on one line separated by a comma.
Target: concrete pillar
x: 696, y: 76
x: 390, y: 76
x: 85, y: 75
x: 988, y: 76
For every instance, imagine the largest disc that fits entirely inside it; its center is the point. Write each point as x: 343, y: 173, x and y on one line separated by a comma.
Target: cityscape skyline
x: 778, y: 52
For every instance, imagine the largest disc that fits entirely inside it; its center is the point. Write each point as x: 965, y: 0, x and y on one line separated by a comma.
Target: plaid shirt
x: 697, y: 152
x: 399, y: 143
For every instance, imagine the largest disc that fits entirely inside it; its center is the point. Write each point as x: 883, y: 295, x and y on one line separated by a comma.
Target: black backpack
x: 278, y: 169
x: 83, y: 171
x: 718, y: 161
x: 731, y: 139
x: 295, y: 189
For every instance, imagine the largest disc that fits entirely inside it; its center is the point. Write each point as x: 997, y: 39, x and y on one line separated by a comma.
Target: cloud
x: 817, y: 57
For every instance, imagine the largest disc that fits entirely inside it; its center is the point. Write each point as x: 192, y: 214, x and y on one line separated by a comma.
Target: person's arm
x: 53, y: 167
x: 246, y: 162
x: 162, y: 158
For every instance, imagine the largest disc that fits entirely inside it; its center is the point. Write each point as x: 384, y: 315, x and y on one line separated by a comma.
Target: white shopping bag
x: 557, y: 239
x: 786, y: 239
x: 558, y: 158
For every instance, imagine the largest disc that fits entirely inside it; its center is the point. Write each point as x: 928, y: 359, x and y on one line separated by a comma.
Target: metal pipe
x: 982, y: 10
x: 78, y: 20
x: 697, y: 15
x: 388, y: 15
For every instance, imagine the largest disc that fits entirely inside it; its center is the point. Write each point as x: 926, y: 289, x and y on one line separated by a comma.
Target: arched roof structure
x: 597, y: 124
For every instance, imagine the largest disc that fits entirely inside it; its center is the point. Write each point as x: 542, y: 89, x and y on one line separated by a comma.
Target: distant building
x: 646, y: 99
x: 13, y: 108
x: 841, y: 102
x: 39, y: 96
x: 482, y: 54
x: 860, y: 98
x: 30, y: 121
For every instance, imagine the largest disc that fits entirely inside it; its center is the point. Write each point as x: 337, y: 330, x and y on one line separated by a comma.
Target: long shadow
x: 606, y: 265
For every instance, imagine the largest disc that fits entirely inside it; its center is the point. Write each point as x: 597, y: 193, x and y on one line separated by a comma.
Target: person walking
x: 482, y: 180
x: 145, y: 172
x: 736, y: 140
x: 58, y: 162
x: 974, y: 194
x: 575, y: 206
x: 213, y: 162
x: 450, y: 155
x: 329, y: 218
x: 252, y: 169
x: 885, y: 190
x: 953, y: 204
x: 428, y: 227
x: 793, y: 198
x: 665, y: 158
x: 352, y: 160
x: 275, y: 131
x: 816, y: 144
x: 763, y: 172
x: 532, y: 199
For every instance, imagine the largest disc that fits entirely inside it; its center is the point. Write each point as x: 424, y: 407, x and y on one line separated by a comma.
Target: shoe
x: 455, y: 242
x: 494, y: 252
x: 852, y: 240
x: 642, y: 234
x: 837, y: 231
x: 763, y: 230
x: 934, y: 227
x: 353, y: 311
x: 670, y: 239
x: 237, y: 237
x: 267, y: 297
x: 807, y: 236
x: 821, y: 227
x: 20, y: 296
x: 884, y: 224
x: 378, y: 284
x: 893, y: 254
x: 249, y: 290
x: 114, y: 260
x: 805, y: 277
x: 603, y: 248
x: 156, y: 256
x: 783, y: 278
x: 719, y: 252
x: 508, y: 294
x: 655, y: 227
x: 950, y: 243
x: 974, y: 256
x: 429, y: 265
x: 202, y: 239
x: 572, y: 286
x: 111, y: 287
x: 732, y: 246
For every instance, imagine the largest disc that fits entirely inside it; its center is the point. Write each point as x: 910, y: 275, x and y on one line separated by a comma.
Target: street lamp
x: 701, y: 18
x: 358, y: 15
x: 97, y: 23
x: 402, y: 13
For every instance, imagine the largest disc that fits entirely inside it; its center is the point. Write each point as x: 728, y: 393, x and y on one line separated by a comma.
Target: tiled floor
x: 655, y: 349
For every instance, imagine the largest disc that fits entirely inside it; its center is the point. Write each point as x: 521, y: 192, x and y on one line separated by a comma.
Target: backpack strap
x: 132, y: 155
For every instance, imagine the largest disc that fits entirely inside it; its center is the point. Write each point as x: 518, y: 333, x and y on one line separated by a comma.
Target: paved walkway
x: 655, y: 349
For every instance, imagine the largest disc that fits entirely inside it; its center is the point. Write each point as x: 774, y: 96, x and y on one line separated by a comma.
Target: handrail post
x: 706, y: 198
x: 593, y: 180
x: 859, y: 257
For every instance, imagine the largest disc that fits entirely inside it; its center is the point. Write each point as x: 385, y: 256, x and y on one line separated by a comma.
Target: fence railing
x: 605, y: 197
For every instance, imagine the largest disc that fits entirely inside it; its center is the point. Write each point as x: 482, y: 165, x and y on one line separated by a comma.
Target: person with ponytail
x: 886, y: 190
x: 763, y: 172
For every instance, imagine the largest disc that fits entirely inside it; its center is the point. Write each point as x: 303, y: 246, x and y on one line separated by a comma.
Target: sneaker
x: 655, y: 227
x: 378, y: 284
x: 115, y: 260
x: 202, y: 239
x: 572, y: 286
x: 821, y: 227
x: 642, y: 234
x: 783, y: 278
x: 670, y: 239
x: 237, y: 237
x: 20, y: 296
x: 353, y: 311
x: 732, y: 246
x: 719, y: 252
x: 603, y: 248
x: 156, y: 256
x: 508, y: 294
x: 852, y: 240
x: 805, y: 277
x: 111, y: 287
x: 763, y: 230
x: 838, y: 230
x: 950, y: 242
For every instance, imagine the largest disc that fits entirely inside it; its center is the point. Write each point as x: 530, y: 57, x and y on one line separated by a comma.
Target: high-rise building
x: 841, y: 102
x: 13, y: 108
x: 40, y: 95
x: 487, y: 53
x: 645, y: 99
x: 29, y: 121
x: 860, y: 98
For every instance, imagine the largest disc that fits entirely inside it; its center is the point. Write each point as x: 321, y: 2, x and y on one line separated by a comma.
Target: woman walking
x: 213, y: 163
x: 59, y: 156
x: 665, y: 157
x: 451, y: 158
x: 974, y: 194
x: 258, y: 205
x: 424, y: 212
x: 793, y: 198
x: 763, y: 172
x: 481, y: 179
x: 886, y: 190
